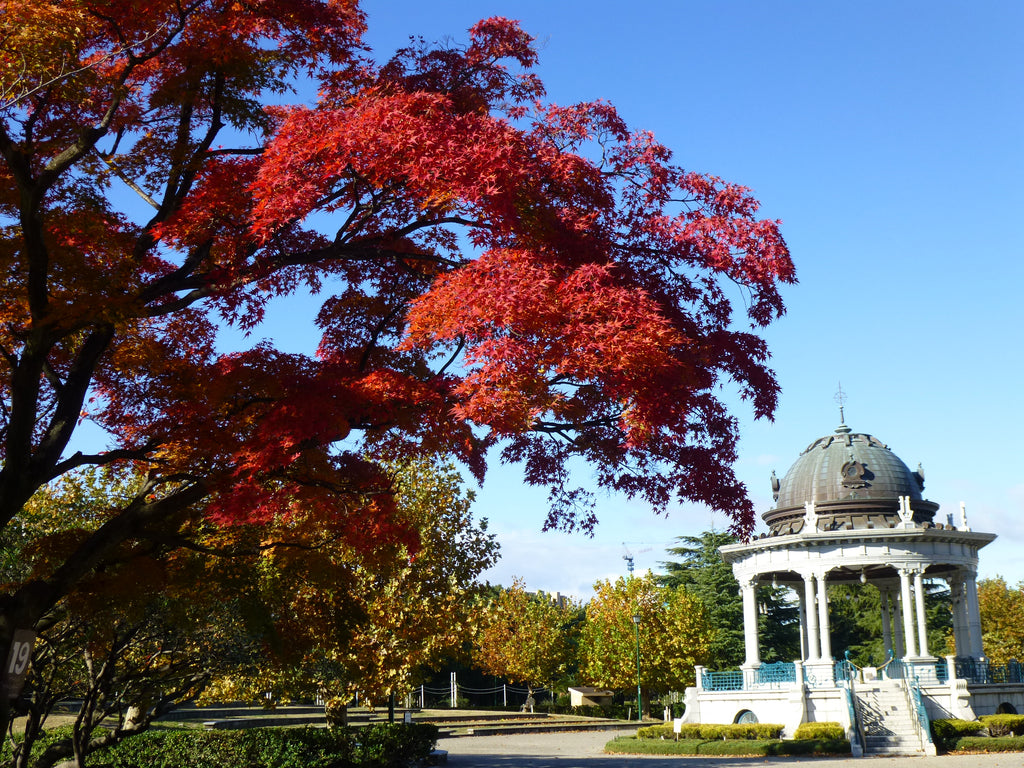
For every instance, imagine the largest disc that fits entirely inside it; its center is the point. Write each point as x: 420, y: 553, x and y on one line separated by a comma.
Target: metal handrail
x: 845, y: 668
x: 917, y: 703
x: 855, y: 720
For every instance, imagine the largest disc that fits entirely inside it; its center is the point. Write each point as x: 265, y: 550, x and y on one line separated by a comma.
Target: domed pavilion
x: 850, y: 511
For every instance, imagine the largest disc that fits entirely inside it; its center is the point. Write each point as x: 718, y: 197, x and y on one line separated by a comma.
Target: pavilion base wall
x: 790, y: 707
x: 799, y: 704
x: 987, y: 699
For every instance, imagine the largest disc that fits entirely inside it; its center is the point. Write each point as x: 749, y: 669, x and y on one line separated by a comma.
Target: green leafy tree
x: 701, y: 570
x: 674, y: 631
x: 524, y: 637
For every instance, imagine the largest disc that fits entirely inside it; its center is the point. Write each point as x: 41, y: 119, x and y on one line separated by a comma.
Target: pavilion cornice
x: 734, y: 552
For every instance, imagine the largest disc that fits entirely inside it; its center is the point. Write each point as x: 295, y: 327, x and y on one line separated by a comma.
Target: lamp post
x: 639, y: 701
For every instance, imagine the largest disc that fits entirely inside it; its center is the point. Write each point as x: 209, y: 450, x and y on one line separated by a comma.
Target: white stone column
x: 956, y: 597
x: 803, y: 624
x: 922, y: 625
x: 898, y: 649
x: 748, y: 589
x: 973, y: 615
x: 886, y: 623
x: 826, y: 641
x: 813, y: 648
x: 908, y: 617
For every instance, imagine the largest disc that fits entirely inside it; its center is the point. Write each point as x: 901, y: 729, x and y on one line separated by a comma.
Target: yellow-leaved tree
x: 1002, y: 620
x: 673, y: 634
x: 371, y: 624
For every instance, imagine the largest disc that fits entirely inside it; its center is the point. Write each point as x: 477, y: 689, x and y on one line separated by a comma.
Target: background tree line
x: 290, y: 611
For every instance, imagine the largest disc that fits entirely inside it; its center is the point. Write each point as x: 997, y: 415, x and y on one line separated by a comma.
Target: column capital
x: 747, y: 581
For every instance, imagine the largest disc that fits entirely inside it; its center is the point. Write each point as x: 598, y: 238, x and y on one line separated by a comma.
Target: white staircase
x: 889, y: 724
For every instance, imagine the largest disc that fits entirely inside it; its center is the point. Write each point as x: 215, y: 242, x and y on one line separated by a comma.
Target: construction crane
x: 628, y: 556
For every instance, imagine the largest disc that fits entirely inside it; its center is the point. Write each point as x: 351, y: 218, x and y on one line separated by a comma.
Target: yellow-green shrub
x: 712, y: 731
x: 1004, y: 725
x: 947, y: 732
x: 824, y: 730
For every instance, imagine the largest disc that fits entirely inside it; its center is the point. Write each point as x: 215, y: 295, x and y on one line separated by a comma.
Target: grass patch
x: 630, y: 745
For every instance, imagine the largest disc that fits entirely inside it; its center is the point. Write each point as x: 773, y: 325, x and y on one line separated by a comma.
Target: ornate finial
x: 840, y: 399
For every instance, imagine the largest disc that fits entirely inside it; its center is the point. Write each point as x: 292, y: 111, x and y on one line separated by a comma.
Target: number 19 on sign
x: 16, y: 668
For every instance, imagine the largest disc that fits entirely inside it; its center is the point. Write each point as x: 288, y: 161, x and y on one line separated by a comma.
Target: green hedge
x: 947, y: 732
x: 709, y: 731
x: 394, y: 745
x: 990, y: 744
x: 746, y: 747
x: 828, y: 731
x: 384, y: 745
x: 1004, y: 725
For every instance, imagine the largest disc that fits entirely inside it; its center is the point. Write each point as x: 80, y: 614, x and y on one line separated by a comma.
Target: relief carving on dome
x: 855, y: 475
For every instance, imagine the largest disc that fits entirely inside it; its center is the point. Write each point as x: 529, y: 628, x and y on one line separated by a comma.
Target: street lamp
x: 639, y: 701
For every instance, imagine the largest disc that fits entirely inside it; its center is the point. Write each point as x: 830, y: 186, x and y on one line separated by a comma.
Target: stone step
x: 889, y: 726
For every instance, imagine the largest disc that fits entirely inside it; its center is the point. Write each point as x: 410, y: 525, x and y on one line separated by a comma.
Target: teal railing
x: 845, y: 669
x: 767, y: 675
x: 729, y: 680
x: 981, y: 671
x: 893, y: 669
x: 779, y: 673
x: 847, y: 672
x: 914, y: 686
x: 851, y: 709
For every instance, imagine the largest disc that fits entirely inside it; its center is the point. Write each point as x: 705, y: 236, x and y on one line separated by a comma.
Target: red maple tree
x: 493, y: 270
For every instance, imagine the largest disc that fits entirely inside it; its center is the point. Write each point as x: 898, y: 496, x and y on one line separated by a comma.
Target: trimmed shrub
x: 828, y: 731
x: 279, y: 747
x: 736, y: 747
x: 1004, y: 725
x: 713, y: 731
x: 394, y: 745
x: 990, y: 744
x: 385, y: 745
x: 946, y: 733
x: 665, y: 731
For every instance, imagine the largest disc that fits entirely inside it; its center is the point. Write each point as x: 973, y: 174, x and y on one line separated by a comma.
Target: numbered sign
x: 16, y: 667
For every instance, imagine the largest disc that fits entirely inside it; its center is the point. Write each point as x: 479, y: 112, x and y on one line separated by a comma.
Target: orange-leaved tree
x: 525, y: 638
x: 491, y: 270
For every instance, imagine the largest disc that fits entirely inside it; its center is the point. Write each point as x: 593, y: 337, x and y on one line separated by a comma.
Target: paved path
x: 586, y: 749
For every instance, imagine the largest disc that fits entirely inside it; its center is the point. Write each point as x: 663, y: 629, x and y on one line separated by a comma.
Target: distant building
x: 849, y: 511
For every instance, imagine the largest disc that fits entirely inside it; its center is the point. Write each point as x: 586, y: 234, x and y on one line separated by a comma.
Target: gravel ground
x: 579, y: 748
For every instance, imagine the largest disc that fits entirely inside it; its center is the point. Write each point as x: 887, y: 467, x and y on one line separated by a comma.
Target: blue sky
x: 887, y: 138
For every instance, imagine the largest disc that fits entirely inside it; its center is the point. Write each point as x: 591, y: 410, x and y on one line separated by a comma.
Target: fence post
x: 504, y: 695
x: 422, y: 706
x: 454, y: 691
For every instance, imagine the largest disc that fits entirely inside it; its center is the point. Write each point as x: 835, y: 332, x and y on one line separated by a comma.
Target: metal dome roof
x: 851, y: 475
